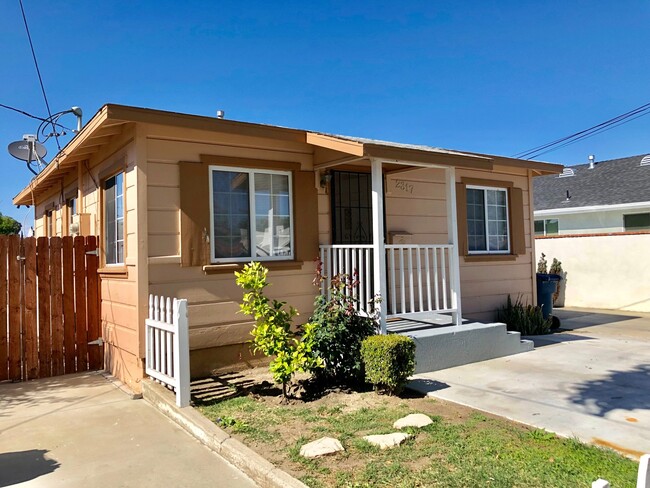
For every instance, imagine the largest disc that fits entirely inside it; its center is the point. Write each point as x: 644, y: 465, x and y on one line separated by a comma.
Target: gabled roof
x: 612, y: 182
x: 111, y: 120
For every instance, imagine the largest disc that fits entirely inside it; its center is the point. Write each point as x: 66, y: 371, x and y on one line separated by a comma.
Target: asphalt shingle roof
x: 609, y: 183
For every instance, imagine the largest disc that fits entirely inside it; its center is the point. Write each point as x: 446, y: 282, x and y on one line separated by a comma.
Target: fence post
x: 181, y: 353
x: 643, y: 480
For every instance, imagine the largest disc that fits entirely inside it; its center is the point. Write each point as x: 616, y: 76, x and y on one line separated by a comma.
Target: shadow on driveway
x: 20, y: 466
x: 626, y: 390
x: 574, y: 319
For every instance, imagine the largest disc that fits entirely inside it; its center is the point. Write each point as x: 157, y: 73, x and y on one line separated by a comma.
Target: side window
x: 49, y: 223
x: 633, y: 222
x: 114, y: 219
x: 547, y: 227
x: 487, y: 220
x: 71, y: 210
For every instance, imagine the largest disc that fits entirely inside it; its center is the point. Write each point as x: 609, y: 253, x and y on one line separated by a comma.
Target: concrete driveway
x: 81, y: 430
x: 591, y: 380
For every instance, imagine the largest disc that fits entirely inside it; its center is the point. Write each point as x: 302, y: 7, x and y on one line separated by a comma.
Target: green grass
x: 470, y: 451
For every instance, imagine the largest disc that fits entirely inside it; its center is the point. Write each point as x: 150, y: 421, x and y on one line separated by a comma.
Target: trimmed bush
x: 389, y: 360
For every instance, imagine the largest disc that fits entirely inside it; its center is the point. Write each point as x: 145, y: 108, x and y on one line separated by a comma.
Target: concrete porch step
x: 448, y: 346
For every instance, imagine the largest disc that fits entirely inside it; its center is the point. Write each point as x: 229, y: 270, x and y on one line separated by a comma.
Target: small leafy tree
x: 272, y: 335
x: 9, y: 225
x: 341, y: 330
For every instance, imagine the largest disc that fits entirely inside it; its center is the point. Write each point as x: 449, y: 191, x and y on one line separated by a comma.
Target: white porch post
x: 452, y: 235
x: 378, y: 244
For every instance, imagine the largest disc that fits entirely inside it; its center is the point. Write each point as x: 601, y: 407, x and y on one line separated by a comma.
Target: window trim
x: 252, y: 214
x: 487, y: 236
x: 545, y: 233
x: 68, y: 211
x: 50, y: 222
x: 625, y: 229
x: 105, y: 233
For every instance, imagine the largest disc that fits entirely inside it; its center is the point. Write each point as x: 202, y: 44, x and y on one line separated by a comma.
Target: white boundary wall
x: 611, y: 272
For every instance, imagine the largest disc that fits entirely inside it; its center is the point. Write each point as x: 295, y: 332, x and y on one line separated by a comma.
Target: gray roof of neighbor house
x: 610, y: 182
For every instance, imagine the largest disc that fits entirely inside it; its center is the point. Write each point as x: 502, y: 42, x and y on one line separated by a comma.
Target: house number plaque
x: 404, y: 186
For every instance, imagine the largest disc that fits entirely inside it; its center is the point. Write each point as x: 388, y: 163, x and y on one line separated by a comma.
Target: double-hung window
x: 488, y: 230
x: 114, y: 219
x: 251, y: 214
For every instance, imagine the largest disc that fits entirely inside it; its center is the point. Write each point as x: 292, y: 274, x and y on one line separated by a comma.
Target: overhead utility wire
x: 602, y: 127
x: 587, y: 136
x: 38, y: 71
x: 610, y: 121
x: 33, y: 116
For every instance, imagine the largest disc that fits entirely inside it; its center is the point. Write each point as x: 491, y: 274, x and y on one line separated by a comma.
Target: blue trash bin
x: 546, y: 286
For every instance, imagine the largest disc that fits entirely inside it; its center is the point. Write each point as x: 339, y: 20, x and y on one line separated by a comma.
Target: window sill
x: 481, y: 258
x: 114, y: 272
x: 232, y: 267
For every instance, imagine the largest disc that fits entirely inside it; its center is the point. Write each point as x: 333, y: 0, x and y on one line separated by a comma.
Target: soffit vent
x: 567, y: 172
x: 646, y: 160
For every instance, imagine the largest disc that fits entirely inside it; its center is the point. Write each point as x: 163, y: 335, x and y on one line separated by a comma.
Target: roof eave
x: 24, y: 197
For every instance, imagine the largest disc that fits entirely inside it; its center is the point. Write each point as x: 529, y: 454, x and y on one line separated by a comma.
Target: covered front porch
x: 399, y: 270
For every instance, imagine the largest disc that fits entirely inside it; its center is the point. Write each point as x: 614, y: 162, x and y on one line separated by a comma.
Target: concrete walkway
x: 591, y: 381
x: 81, y: 430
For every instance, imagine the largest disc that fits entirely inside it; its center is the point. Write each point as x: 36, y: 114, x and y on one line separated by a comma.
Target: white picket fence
x: 643, y: 478
x: 168, y: 346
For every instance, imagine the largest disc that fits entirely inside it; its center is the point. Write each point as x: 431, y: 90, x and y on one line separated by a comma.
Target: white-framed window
x: 636, y: 222
x: 488, y: 229
x: 114, y: 219
x: 547, y: 227
x: 251, y: 215
x: 50, y: 221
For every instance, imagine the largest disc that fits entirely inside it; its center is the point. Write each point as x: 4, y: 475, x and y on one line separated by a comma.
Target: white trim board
x: 592, y: 208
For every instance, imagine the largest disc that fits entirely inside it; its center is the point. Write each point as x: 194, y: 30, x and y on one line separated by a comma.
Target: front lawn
x: 462, y: 448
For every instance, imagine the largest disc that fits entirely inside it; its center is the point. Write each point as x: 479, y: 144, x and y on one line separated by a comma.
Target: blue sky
x: 485, y: 76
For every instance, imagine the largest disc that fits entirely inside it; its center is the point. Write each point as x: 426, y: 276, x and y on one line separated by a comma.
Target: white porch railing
x: 420, y: 277
x: 355, y: 261
x: 167, y: 345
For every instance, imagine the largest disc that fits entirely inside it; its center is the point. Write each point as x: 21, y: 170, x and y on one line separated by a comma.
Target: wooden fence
x: 49, y: 307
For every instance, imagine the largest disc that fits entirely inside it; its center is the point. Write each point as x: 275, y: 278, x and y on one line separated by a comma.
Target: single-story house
x: 180, y: 202
x: 595, y: 198
x: 595, y: 218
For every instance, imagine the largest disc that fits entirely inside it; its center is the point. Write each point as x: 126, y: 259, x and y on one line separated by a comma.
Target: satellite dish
x: 21, y: 150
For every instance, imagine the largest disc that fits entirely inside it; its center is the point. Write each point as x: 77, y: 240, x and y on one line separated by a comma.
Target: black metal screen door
x: 351, y: 208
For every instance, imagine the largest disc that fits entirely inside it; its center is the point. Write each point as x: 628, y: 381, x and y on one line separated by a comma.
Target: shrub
x: 542, y: 264
x: 526, y: 319
x: 340, y: 332
x: 389, y: 360
x: 272, y: 333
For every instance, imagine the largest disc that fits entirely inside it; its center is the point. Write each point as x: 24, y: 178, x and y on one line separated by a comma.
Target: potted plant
x: 556, y: 269
x: 546, y: 286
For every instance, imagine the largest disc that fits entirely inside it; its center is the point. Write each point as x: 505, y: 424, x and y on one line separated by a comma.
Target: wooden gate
x: 49, y: 307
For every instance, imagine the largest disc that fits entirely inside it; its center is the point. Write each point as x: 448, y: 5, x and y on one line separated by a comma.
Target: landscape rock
x: 387, y: 441
x: 321, y: 447
x: 413, y: 420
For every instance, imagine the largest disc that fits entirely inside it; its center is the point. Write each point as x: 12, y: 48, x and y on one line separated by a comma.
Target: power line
x: 33, y: 116
x: 38, y: 71
x: 586, y: 133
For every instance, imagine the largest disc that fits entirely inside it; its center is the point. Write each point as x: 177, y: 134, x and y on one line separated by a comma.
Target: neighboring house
x: 181, y: 201
x: 595, y: 218
x: 604, y: 197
